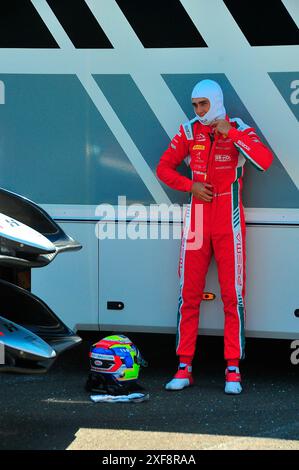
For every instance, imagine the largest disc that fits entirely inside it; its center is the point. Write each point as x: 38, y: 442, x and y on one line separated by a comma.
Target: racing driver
x: 217, y: 148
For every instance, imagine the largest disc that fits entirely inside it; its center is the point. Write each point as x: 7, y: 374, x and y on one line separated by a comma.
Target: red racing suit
x: 217, y: 160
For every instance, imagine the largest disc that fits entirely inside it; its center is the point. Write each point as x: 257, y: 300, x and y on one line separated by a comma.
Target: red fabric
x: 231, y: 376
x: 216, y: 160
x: 186, y: 360
x: 233, y: 363
x: 184, y: 374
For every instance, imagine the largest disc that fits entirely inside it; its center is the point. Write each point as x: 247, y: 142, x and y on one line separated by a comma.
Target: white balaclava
x: 211, y: 90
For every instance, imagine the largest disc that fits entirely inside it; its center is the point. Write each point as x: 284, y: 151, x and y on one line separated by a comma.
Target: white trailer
x: 90, y: 96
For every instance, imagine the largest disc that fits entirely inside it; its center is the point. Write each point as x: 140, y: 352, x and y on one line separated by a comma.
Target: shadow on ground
x: 46, y: 412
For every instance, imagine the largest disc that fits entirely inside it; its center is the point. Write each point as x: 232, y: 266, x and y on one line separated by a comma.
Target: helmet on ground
x: 114, y: 365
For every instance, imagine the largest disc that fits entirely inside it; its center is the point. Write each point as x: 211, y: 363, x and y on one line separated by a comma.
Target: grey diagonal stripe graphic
x: 228, y: 52
x: 161, y: 24
x: 249, y: 77
x: 103, y: 106
x: 288, y: 82
x: 293, y: 8
x: 151, y: 84
x: 2, y: 92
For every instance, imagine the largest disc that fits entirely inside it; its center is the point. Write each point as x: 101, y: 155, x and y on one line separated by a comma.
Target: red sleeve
x: 166, y: 170
x: 250, y: 145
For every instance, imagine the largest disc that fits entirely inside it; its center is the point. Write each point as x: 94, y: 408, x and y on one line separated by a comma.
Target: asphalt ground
x: 53, y: 411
